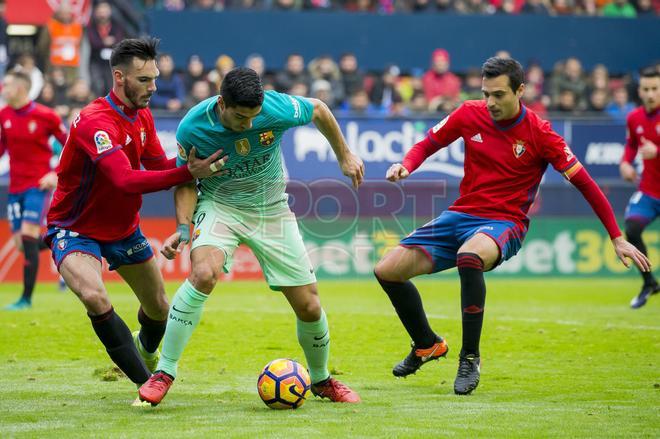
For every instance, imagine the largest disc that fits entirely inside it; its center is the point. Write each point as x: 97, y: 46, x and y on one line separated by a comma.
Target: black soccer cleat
x: 640, y: 300
x: 418, y: 357
x: 467, y: 378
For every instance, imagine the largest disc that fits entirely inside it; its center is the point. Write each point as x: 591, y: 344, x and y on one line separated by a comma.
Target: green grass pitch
x: 561, y: 358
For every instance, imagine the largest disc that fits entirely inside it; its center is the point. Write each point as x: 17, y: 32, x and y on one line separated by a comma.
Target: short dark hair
x: 20, y: 74
x: 141, y: 48
x: 650, y: 72
x: 242, y: 87
x: 494, y: 67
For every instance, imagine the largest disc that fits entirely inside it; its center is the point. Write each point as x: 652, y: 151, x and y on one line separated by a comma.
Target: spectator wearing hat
x: 441, y: 87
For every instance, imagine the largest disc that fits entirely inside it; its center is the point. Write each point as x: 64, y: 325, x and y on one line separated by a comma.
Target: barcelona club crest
x: 267, y: 138
x: 519, y: 148
x: 242, y: 146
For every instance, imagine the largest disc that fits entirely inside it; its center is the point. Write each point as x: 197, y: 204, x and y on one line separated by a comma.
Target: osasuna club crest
x: 519, y: 148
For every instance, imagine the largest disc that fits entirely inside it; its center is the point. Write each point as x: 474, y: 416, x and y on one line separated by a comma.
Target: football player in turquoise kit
x: 248, y: 204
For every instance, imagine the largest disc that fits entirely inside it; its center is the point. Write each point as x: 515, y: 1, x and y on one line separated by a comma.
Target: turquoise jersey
x: 256, y: 176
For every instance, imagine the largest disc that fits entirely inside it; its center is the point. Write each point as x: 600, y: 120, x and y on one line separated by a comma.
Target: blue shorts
x: 30, y: 206
x: 643, y: 208
x: 133, y: 249
x: 441, y: 238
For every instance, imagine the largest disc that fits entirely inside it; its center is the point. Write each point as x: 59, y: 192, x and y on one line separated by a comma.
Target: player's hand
x: 648, y: 150
x: 48, y: 181
x: 625, y: 250
x: 176, y: 241
x: 397, y: 172
x: 208, y: 167
x: 353, y: 167
x: 628, y: 172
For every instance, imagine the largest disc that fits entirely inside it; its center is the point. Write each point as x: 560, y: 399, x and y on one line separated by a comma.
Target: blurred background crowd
x: 69, y: 66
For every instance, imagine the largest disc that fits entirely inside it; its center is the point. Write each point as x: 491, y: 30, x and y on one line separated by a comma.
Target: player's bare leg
x: 394, y: 272
x: 27, y: 242
x: 184, y: 316
x: 147, y: 283
x: 478, y: 254
x: 314, y: 338
x: 82, y: 274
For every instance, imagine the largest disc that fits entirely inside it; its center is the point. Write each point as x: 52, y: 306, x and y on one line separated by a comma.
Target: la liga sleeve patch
x: 102, y: 141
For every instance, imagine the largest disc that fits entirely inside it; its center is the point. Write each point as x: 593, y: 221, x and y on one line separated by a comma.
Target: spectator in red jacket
x: 441, y: 87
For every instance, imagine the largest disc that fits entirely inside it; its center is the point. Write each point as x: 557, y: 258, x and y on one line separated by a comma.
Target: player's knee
x: 204, y: 277
x: 94, y: 299
x: 385, y: 271
x: 310, y: 309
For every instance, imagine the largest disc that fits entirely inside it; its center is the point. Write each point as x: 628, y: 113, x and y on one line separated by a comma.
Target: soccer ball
x: 283, y: 384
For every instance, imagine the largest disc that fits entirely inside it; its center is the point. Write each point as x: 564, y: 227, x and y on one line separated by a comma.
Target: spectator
x: 170, y: 90
x: 533, y: 101
x: 536, y: 7
x: 27, y: 64
x: 598, y: 100
x: 200, y: 91
x: 322, y: 90
x: 299, y: 89
x: 103, y: 32
x: 358, y: 104
x: 252, y: 5
x: 79, y: 94
x: 442, y: 88
x: 257, y: 63
x: 472, y: 86
x: 294, y: 71
x: 567, y: 103
x: 645, y: 8
x: 418, y: 103
x: 223, y: 64
x: 287, y: 5
x: 194, y: 72
x: 620, y: 106
x: 325, y: 68
x: 563, y: 7
x: 324, y: 5
x: 207, y: 5
x: 352, y: 77
x: 384, y: 89
x: 620, y: 9
x: 570, y: 78
x: 66, y: 36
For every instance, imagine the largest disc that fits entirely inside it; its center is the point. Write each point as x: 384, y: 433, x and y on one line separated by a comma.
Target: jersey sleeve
x: 291, y: 111
x: 448, y: 129
x: 630, y: 150
x: 97, y: 137
x: 556, y: 151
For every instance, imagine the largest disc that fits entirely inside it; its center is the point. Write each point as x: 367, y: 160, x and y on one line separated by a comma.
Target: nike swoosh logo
x: 321, y: 337
x: 426, y: 358
x: 182, y: 312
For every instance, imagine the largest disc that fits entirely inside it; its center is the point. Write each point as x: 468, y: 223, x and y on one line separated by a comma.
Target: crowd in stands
x: 607, y: 8
x: 341, y: 83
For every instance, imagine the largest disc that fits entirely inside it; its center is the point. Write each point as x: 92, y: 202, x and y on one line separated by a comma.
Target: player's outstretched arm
x: 592, y: 193
x: 351, y: 165
x: 185, y: 199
